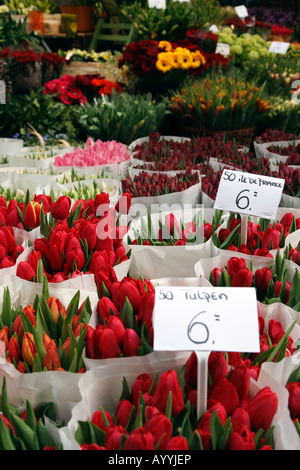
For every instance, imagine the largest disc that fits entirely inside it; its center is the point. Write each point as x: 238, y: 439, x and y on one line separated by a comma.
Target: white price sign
x: 223, y: 49
x: 213, y: 28
x: 241, y: 11
x: 250, y: 194
x: 205, y: 319
x: 157, y: 4
x: 278, y: 47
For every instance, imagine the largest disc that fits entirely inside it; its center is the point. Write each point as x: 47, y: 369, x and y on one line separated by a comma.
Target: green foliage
x: 14, y: 32
x: 121, y: 117
x: 171, y: 23
x: 43, y: 112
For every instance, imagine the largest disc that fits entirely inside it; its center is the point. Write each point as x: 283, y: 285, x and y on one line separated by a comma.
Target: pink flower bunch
x: 145, y: 185
x: 292, y: 151
x: 95, y: 153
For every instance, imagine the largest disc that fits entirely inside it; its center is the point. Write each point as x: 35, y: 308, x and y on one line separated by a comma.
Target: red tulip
x: 262, y: 278
x: 118, y: 328
x: 242, y: 278
x: 294, y: 399
x: 262, y: 409
x: 142, y: 384
x: 226, y: 393
x: 124, y: 203
x: 168, y: 382
x: 97, y: 419
x: 161, y: 429
x: 60, y: 209
x: 270, y: 238
x: 131, y: 343
x: 106, y: 345
x: 32, y: 216
x: 122, y: 412
x: 139, y: 439
x: 113, y: 436
x: 25, y: 271
x: 177, y: 443
x: 241, y: 439
x: 51, y: 360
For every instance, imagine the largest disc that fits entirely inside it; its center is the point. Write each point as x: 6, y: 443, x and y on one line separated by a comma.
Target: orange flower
x: 28, y: 348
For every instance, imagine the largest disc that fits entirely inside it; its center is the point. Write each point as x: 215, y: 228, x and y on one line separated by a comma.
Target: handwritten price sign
x: 205, y: 319
x: 249, y: 194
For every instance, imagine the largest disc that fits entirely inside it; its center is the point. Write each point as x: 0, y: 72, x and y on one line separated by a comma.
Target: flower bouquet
x: 27, y: 430
x: 42, y: 341
x: 288, y: 153
x: 168, y: 155
x: 263, y: 237
x: 97, y: 154
x: 122, y: 117
x: 160, y: 65
x: 79, y: 89
x: 224, y: 104
x: 74, y: 241
x: 168, y: 243
x: 272, y: 136
x: 158, y: 411
x: 149, y: 191
x: 274, y: 280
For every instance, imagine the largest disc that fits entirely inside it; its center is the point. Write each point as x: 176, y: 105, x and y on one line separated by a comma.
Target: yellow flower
x: 164, y: 62
x: 176, y: 59
x: 185, y: 58
x: 198, y: 59
x: 166, y: 45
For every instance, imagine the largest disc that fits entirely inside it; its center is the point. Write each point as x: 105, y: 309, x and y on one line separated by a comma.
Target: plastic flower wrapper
x: 275, y: 280
x: 26, y: 430
x: 169, y: 243
x: 156, y: 410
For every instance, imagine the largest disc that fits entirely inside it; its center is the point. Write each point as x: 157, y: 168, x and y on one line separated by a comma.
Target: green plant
x: 22, y: 6
x: 41, y: 111
x: 121, y: 117
x: 217, y: 102
x: 14, y: 32
x: 154, y: 23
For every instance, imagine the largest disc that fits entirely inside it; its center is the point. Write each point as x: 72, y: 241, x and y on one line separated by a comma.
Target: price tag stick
x: 244, y: 229
x: 202, y: 371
